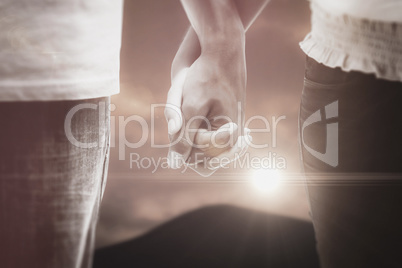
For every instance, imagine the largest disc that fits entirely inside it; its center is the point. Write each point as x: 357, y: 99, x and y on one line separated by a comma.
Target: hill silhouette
x: 218, y: 236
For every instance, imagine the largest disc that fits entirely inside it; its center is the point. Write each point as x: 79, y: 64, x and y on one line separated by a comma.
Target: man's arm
x: 190, y: 49
x: 216, y: 23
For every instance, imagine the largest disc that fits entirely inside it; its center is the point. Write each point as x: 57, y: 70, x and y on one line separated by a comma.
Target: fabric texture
x: 50, y: 189
x: 59, y: 50
x: 355, y: 44
x: 356, y: 200
x: 377, y: 10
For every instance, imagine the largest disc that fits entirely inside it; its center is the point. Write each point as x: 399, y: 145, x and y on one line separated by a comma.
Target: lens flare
x: 266, y: 180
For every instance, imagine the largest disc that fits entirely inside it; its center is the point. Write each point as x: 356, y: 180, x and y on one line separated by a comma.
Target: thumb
x: 220, y: 138
x: 214, y: 142
x: 182, y: 142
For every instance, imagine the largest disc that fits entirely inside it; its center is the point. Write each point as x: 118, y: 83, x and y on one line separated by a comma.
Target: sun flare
x: 266, y: 180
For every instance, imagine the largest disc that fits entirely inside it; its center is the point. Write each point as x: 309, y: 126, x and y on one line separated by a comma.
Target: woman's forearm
x: 188, y: 52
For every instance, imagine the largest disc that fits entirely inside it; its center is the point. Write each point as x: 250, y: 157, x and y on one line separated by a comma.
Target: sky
x: 145, y: 194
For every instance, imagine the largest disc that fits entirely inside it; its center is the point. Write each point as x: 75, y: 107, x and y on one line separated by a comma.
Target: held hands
x: 205, y: 103
x: 205, y: 111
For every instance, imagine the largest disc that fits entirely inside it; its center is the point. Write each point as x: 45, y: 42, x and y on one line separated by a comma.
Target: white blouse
x: 383, y: 10
x: 358, y: 35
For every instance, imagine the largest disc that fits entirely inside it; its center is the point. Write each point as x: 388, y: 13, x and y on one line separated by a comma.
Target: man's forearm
x: 190, y: 48
x: 216, y: 22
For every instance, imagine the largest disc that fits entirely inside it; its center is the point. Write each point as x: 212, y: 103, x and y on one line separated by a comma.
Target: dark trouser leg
x: 354, y: 184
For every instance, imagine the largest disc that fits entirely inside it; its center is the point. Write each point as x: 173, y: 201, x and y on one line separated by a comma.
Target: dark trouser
x: 50, y: 189
x: 352, y: 156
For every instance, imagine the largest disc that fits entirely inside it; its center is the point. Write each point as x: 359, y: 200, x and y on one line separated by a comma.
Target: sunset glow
x: 266, y: 180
